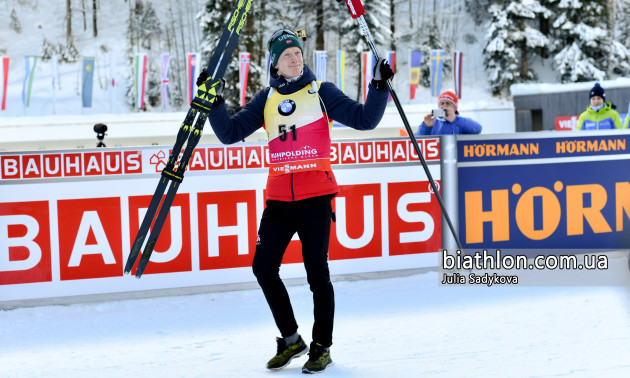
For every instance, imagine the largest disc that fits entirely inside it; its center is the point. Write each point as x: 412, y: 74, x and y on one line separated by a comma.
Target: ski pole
x: 357, y: 11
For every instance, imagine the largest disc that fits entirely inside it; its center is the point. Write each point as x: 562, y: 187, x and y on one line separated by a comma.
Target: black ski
x: 200, y: 106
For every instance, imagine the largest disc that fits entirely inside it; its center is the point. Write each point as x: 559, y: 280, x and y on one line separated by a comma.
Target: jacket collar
x: 284, y: 87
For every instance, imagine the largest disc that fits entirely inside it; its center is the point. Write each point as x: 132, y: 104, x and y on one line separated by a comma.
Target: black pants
x: 310, y: 218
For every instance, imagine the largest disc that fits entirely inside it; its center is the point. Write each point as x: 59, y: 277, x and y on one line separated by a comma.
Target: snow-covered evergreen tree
x: 622, y: 12
x: 512, y: 41
x: 581, y: 42
x: 149, y: 28
x: 500, y: 53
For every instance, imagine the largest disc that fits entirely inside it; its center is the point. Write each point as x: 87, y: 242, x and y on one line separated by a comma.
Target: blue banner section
x: 582, y: 204
x: 542, y: 148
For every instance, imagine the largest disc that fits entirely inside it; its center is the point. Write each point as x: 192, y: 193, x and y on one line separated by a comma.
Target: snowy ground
x: 395, y: 327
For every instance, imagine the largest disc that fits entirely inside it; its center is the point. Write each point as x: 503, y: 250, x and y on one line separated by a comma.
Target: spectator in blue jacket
x: 451, y: 123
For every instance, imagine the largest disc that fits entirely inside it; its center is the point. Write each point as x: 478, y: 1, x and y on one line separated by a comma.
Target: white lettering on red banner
x: 97, y: 163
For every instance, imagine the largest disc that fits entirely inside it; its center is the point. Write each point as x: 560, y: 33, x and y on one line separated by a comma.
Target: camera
x: 439, y: 113
x: 100, y: 129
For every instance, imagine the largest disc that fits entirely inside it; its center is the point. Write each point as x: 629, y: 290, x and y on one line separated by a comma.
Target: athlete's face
x: 290, y: 64
x: 596, y: 101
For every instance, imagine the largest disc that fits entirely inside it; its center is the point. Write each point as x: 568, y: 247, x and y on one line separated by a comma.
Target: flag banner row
x: 194, y: 66
x: 243, y: 75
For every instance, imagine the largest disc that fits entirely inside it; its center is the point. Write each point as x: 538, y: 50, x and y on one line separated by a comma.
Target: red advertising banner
x: 67, y: 218
x: 566, y: 123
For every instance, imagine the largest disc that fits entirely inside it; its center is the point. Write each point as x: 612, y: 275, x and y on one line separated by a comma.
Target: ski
x: 190, y: 131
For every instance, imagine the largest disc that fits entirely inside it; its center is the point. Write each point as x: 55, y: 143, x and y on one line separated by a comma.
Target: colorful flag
x: 414, y: 72
x: 88, y: 80
x: 166, y: 60
x: 268, y: 68
x: 457, y: 72
x: 193, y: 68
x: 391, y: 59
x: 141, y: 77
x: 367, y: 67
x: 437, y: 64
x: 321, y: 61
x: 112, y: 83
x: 29, y: 71
x: 341, y: 69
x: 4, y: 79
x: 243, y: 74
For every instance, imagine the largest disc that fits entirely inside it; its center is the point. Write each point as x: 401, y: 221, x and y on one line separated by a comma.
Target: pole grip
x: 356, y: 8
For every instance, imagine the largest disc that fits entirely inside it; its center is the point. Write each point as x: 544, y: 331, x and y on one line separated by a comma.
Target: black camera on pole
x: 100, y: 129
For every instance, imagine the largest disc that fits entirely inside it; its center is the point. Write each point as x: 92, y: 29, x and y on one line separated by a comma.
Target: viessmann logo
x: 288, y: 168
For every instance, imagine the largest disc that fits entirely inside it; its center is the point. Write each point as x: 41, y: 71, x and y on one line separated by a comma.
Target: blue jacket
x: 337, y: 105
x: 461, y: 125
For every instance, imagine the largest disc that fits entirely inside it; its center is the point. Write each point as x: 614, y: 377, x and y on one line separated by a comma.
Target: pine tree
x: 149, y: 28
x: 581, y: 43
x: 500, y: 53
x: 512, y: 41
x: 622, y: 12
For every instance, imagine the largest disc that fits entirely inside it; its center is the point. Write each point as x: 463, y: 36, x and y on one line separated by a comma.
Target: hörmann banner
x: 67, y: 218
x: 545, y: 190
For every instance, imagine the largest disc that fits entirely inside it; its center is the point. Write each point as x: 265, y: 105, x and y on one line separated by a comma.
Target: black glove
x: 218, y: 88
x: 203, y: 76
x: 382, y: 73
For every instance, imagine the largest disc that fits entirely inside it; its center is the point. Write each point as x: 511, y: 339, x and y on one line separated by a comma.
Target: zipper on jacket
x: 292, y: 192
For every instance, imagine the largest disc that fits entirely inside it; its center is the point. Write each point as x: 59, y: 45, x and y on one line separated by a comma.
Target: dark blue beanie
x: 597, y: 90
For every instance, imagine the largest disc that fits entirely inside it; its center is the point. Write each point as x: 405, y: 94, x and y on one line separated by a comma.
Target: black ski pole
x: 357, y: 11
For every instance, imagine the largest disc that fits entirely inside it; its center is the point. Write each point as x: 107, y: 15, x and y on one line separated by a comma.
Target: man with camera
x: 446, y: 119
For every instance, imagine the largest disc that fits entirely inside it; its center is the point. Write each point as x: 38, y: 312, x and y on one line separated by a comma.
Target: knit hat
x: 278, y: 45
x: 597, y: 90
x: 450, y: 97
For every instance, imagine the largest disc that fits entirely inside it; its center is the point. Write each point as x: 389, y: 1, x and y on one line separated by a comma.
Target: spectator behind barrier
x: 600, y: 114
x: 451, y: 122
